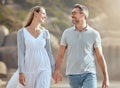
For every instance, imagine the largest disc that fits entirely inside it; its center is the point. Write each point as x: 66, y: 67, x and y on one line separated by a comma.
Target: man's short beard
x: 74, y: 22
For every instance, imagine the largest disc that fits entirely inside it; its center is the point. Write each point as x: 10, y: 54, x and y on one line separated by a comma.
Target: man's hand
x: 22, y: 78
x: 105, y: 83
x: 57, y: 76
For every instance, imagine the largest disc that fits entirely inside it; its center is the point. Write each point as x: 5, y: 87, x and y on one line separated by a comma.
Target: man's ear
x: 83, y: 15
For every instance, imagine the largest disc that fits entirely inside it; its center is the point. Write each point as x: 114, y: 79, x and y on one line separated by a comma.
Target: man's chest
x: 80, y: 39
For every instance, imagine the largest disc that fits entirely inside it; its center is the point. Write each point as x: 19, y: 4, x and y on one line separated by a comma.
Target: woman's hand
x: 57, y: 76
x: 22, y: 78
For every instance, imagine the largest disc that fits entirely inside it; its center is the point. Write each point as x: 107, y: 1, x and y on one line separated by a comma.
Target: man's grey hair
x: 83, y: 9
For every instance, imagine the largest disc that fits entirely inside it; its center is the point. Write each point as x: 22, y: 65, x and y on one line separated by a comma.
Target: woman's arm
x: 21, y: 50
x: 49, y: 51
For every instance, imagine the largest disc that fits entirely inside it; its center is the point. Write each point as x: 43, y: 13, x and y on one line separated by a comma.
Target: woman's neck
x: 35, y: 26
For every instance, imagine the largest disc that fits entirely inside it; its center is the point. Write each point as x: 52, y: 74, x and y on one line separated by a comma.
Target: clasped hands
x: 57, y: 76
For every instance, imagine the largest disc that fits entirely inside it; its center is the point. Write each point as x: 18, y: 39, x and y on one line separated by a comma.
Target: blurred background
x: 104, y: 17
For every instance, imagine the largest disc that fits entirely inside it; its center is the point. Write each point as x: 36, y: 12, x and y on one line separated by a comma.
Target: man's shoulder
x: 93, y: 30
x: 69, y: 29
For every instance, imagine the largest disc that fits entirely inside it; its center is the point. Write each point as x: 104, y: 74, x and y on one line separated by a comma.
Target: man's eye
x: 73, y: 12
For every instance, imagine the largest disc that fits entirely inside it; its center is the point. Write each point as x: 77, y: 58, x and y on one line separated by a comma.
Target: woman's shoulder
x: 45, y: 30
x: 21, y: 29
x: 46, y: 33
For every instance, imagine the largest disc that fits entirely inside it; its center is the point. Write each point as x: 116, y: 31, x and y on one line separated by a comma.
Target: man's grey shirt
x: 80, y: 49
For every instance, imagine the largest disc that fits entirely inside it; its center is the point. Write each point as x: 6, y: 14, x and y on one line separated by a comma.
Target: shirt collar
x: 86, y: 29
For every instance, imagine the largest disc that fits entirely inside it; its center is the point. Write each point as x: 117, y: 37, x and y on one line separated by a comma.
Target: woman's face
x: 41, y: 15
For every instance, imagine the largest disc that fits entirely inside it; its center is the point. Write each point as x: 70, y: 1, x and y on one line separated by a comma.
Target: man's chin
x: 73, y: 22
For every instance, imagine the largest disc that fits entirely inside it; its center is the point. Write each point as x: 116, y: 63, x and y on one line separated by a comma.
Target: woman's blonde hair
x: 31, y: 14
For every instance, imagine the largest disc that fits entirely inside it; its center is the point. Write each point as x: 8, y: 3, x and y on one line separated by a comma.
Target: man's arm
x: 60, y: 56
x: 102, y: 63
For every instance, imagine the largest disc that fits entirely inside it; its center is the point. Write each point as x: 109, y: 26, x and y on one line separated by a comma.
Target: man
x: 81, y: 43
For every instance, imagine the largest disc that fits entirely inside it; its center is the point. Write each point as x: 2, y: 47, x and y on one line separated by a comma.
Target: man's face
x: 76, y: 15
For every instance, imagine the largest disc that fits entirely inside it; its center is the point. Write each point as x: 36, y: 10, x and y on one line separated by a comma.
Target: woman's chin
x: 42, y: 22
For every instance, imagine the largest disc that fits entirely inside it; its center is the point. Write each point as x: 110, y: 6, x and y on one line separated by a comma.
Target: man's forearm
x: 58, y: 63
x: 103, y: 66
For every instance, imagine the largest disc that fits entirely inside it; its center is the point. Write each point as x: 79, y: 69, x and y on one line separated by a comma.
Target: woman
x: 35, y: 59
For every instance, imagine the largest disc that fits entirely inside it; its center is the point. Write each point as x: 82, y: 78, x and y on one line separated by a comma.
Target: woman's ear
x: 35, y: 13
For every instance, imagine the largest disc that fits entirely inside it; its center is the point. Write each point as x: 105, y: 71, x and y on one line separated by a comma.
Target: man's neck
x: 81, y: 26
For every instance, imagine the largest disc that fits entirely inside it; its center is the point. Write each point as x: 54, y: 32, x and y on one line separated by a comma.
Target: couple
x: 80, y: 43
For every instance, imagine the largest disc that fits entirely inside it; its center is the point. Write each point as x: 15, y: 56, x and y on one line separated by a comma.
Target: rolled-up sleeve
x: 49, y: 51
x: 21, y: 50
x: 63, y: 39
x: 97, y: 43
